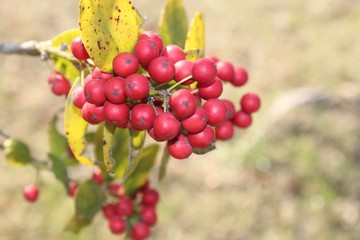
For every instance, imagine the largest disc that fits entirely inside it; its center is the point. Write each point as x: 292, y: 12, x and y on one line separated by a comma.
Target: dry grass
x: 293, y: 178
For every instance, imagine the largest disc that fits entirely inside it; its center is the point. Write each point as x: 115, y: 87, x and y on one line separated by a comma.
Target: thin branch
x: 25, y: 48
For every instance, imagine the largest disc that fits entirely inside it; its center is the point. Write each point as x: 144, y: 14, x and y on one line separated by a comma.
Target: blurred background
x: 294, y: 174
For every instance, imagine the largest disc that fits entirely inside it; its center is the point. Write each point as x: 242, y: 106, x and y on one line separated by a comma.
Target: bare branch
x: 26, y: 48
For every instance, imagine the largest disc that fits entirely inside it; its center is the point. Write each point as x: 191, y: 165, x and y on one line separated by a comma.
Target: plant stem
x: 179, y: 83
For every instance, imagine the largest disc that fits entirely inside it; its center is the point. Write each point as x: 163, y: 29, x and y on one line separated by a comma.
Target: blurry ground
x: 293, y: 175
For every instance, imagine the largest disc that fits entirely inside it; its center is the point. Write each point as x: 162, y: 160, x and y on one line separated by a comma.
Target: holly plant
x: 122, y: 84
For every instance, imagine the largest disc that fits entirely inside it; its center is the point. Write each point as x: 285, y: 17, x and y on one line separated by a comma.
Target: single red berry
x: 202, y: 139
x: 148, y: 216
x: 224, y: 131
x: 225, y: 71
x: 166, y: 126
x: 97, y: 176
x: 109, y: 210
x: 125, y: 64
x: 179, y: 147
x: 145, y: 186
x: 78, y: 49
x: 124, y: 207
x: 196, y: 122
x: 115, y: 90
x: 216, y: 110
x: 204, y: 70
x: 183, y: 69
x: 150, y: 197
x: 146, y: 50
x: 142, y: 116
x: 116, y: 114
x: 31, y: 193
x: 116, y: 189
x: 240, y: 77
x: 242, y: 119
x: 92, y: 114
x: 59, y: 85
x: 98, y: 74
x: 213, y: 58
x: 78, y: 97
x: 151, y: 133
x: 140, y: 231
x: 211, y: 91
x: 182, y: 103
x: 94, y: 91
x: 137, y: 86
x: 72, y: 188
x: 161, y: 69
x: 174, y: 52
x: 117, y: 225
x: 250, y: 103
x: 230, y: 108
x: 153, y: 36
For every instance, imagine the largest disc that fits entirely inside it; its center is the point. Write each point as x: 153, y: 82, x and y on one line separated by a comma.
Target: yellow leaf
x: 108, y: 135
x: 108, y: 28
x: 75, y: 127
x: 192, y: 54
x: 195, y: 38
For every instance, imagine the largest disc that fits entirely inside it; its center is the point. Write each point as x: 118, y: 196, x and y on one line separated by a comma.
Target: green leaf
x: 146, y: 161
x: 59, y: 170
x: 75, y: 127
x: 89, y: 199
x: 173, y: 23
x: 16, y: 152
x: 57, y: 141
x: 107, y: 144
x: 108, y: 28
x: 62, y: 65
x: 195, y: 38
x: 164, y: 161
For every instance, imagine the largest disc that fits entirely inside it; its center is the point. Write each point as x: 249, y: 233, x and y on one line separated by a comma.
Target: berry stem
x: 179, y: 83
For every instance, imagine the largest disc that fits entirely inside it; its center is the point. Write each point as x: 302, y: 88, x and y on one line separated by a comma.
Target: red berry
x: 92, y: 114
x: 148, y: 216
x: 109, y: 210
x: 242, y: 119
x: 225, y: 71
x: 216, y: 110
x: 166, y: 126
x: 31, y: 193
x: 117, y: 225
x: 124, y: 207
x: 115, y: 90
x: 150, y: 197
x: 125, y: 64
x: 215, y: 59
x: 136, y: 86
x: 179, y: 147
x: 250, y: 103
x: 230, y: 108
x: 196, y: 122
x: 97, y: 176
x: 59, y: 84
x: 214, y: 90
x: 161, y: 69
x: 153, y: 36
x: 182, y: 103
x: 142, y: 116
x: 174, y: 52
x: 78, y: 97
x: 139, y: 231
x: 98, y: 74
x: 183, y: 69
x: 116, y: 189
x: 78, y: 49
x: 240, y: 77
x: 116, y: 114
x: 72, y: 188
x: 204, y: 70
x: 224, y: 131
x: 146, y: 50
x: 94, y: 92
x: 202, y: 139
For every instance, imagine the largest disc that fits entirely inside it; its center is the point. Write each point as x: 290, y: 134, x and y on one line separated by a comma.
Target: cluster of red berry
x: 135, y: 214
x: 155, y: 88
